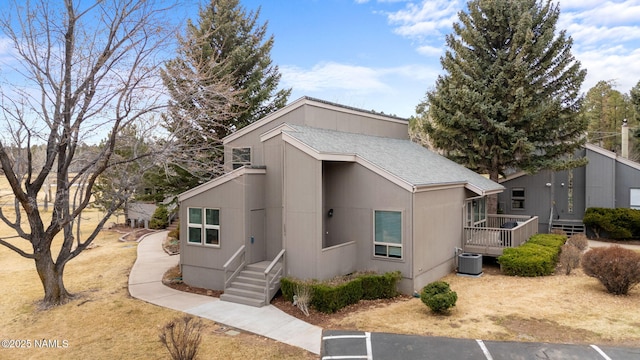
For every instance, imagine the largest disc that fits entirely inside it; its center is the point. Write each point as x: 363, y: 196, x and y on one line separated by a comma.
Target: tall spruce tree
x: 222, y: 80
x: 510, y: 95
x: 605, y: 109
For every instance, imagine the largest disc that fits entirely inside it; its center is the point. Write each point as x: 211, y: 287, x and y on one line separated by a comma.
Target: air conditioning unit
x: 470, y: 264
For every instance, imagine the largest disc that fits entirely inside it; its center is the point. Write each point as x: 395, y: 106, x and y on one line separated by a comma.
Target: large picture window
x: 388, y: 234
x: 240, y: 157
x: 204, y: 226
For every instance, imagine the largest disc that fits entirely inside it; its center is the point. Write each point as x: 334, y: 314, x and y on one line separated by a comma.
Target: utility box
x: 470, y: 264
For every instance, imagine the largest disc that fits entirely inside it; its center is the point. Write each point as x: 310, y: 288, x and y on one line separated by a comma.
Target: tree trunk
x: 492, y: 200
x: 51, y: 277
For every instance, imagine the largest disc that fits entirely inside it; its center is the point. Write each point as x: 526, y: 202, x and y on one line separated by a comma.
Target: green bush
x: 329, y: 298
x: 380, y: 286
x: 536, y: 257
x: 175, y: 233
x: 287, y: 287
x: 618, y: 223
x: 438, y: 296
x: 617, y: 268
x: 160, y: 218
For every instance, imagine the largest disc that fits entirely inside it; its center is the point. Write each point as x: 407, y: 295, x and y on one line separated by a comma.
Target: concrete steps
x: 248, y: 287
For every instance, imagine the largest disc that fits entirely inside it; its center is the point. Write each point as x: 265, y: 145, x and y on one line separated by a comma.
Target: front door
x: 256, y: 243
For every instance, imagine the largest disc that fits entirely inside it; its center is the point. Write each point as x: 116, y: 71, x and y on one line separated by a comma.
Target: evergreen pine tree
x: 510, y: 95
x: 222, y: 80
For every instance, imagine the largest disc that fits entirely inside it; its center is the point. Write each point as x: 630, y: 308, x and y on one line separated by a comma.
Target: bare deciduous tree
x: 82, y: 71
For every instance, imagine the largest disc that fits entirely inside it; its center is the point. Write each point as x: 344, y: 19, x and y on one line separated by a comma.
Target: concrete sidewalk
x: 145, y: 283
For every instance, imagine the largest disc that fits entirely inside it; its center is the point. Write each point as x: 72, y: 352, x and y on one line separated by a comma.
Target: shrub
x: 618, y: 223
x: 580, y: 241
x: 617, y: 268
x: 570, y: 257
x: 531, y: 260
x: 329, y: 299
x: 160, y: 218
x: 438, y: 296
x: 343, y: 291
x: 182, y: 337
x: 175, y: 233
x: 380, y: 286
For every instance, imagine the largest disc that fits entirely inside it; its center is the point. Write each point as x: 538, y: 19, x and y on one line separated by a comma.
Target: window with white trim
x: 517, y: 198
x: 634, y: 199
x: 240, y: 157
x: 387, y: 234
x: 476, y: 211
x: 203, y: 229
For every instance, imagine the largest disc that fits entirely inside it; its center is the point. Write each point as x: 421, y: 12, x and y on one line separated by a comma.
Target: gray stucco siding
x: 437, y: 232
x: 234, y: 199
x: 627, y: 178
x: 600, y: 181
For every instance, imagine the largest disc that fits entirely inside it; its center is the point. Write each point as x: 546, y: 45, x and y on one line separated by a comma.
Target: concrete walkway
x: 145, y: 283
x: 595, y: 243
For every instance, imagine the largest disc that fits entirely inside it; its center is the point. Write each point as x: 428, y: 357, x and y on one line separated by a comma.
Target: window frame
x: 631, y: 197
x: 389, y: 245
x: 476, y: 216
x: 207, y: 226
x: 203, y: 226
x: 238, y: 164
x: 521, y: 199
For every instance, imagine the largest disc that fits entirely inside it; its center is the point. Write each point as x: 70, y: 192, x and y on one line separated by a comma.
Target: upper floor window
x: 517, y: 198
x: 240, y: 157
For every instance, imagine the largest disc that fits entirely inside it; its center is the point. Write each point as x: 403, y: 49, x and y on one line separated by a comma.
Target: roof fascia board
x: 275, y: 132
x: 274, y: 115
x: 219, y: 181
x: 628, y: 162
x: 349, y: 110
x: 435, y: 187
x: 599, y: 150
x: 313, y: 102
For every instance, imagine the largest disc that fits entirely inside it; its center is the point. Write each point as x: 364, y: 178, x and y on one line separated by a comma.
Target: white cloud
x: 430, y: 51
x: 332, y: 75
x: 424, y: 19
x: 614, y: 63
x: 394, y: 90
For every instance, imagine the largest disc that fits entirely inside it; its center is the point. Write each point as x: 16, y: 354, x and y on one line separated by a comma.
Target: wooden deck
x: 499, y: 232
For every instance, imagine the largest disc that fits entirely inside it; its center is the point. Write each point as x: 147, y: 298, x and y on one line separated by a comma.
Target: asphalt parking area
x: 378, y: 346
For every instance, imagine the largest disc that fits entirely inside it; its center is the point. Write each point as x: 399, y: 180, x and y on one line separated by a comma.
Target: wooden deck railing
x: 499, y: 232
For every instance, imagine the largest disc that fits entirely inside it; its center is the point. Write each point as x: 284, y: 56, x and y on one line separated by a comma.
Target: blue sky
x: 384, y: 55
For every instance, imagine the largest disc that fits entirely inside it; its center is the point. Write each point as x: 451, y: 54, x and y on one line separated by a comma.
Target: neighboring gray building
x: 316, y: 190
x: 560, y: 198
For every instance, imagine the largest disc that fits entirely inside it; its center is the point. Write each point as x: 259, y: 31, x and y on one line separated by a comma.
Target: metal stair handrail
x: 272, y: 281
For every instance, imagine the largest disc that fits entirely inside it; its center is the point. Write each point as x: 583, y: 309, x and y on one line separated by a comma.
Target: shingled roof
x: 405, y: 162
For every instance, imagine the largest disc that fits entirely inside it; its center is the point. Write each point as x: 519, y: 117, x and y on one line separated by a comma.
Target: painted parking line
x: 367, y: 338
x: 602, y: 353
x: 484, y: 349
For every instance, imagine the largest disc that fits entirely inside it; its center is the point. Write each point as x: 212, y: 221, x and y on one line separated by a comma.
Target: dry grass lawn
x: 104, y: 322
x: 557, y: 309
